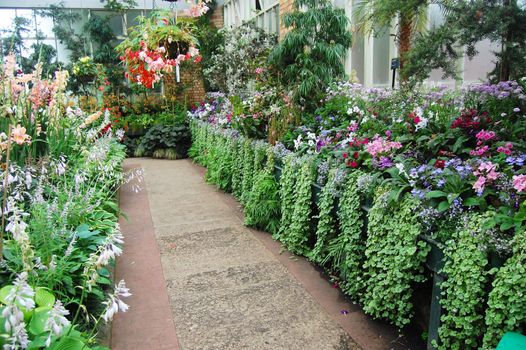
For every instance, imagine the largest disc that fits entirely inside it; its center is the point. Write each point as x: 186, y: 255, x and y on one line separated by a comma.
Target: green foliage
x: 298, y: 233
x: 287, y: 185
x: 237, y: 174
x: 14, y: 41
x: 467, y: 23
x: 311, y: 54
x: 248, y: 170
x: 161, y: 137
x: 63, y: 21
x: 436, y: 49
x: 462, y: 324
x: 506, y: 302
x: 326, y: 228
x: 262, y: 209
x: 394, y: 259
x: 347, y: 251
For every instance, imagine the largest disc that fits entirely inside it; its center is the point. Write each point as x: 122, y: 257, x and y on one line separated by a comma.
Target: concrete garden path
x: 201, y: 280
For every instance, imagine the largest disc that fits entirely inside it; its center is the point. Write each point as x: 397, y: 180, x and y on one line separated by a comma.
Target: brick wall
x: 217, y: 18
x: 191, y: 87
x: 284, y: 7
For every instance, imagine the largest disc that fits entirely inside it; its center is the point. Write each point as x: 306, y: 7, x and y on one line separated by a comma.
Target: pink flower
x: 479, y: 184
x: 381, y: 146
x: 479, y: 151
x: 18, y: 135
x: 519, y: 183
x: 485, y: 135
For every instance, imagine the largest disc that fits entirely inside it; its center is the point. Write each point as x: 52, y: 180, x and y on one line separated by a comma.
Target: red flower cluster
x: 416, y: 119
x: 138, y: 70
x: 440, y: 164
x: 470, y: 120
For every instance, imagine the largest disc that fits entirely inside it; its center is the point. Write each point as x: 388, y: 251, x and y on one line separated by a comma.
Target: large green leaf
x: 435, y: 194
x: 44, y: 298
x: 69, y: 343
x: 39, y: 319
x: 4, y: 292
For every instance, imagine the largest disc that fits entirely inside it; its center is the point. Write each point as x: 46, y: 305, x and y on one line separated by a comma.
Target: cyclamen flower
x: 519, y: 183
x: 115, y: 304
x: 506, y: 149
x: 479, y: 151
x: 485, y: 135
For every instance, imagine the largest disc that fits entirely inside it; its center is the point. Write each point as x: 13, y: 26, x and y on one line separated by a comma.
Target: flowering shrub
x: 452, y: 166
x: 59, y: 233
x: 234, y: 66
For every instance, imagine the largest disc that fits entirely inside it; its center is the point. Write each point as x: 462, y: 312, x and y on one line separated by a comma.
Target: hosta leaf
x: 38, y: 321
x: 43, y: 297
x: 69, y: 343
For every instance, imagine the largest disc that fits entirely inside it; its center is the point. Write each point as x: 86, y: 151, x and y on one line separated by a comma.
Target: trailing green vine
x: 287, y: 184
x: 394, y: 258
x: 296, y: 238
x: 248, y: 170
x: 507, y: 301
x: 326, y: 228
x: 462, y: 324
x: 263, y: 206
x: 348, y: 249
x: 237, y: 169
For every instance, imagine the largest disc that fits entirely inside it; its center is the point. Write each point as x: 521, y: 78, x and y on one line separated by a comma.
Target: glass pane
x: 7, y: 20
x: 30, y: 23
x: 45, y: 26
x: 132, y: 17
x: 357, y: 57
x: 381, y: 64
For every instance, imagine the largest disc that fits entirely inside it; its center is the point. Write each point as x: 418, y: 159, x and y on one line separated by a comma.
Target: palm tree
x: 411, y: 16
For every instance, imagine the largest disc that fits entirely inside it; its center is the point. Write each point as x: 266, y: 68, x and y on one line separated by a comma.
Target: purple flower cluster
x: 502, y: 90
x: 518, y: 160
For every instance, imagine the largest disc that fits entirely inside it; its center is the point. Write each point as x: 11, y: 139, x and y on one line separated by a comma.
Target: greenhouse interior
x: 263, y: 174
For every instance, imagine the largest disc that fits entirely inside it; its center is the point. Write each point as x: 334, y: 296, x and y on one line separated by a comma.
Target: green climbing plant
x: 394, y: 258
x: 297, y: 237
x: 347, y: 250
x: 463, y: 294
x: 326, y: 228
x: 507, y: 302
x: 286, y: 184
x: 263, y: 206
x: 238, y: 155
x: 248, y: 170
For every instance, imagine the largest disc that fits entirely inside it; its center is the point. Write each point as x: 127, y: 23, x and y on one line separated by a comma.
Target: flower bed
x: 60, y: 171
x: 448, y: 164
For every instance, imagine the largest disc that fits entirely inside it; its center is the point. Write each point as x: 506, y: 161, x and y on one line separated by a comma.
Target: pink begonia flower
x: 193, y: 51
x: 197, y: 10
x: 479, y: 184
x: 156, y: 65
x: 519, y: 183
